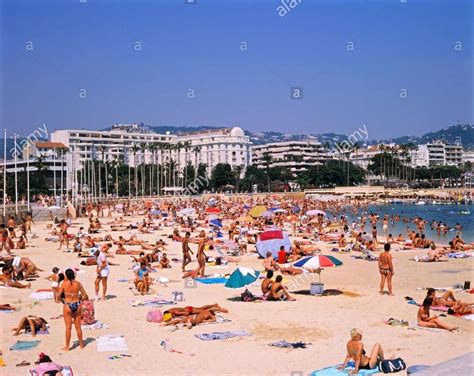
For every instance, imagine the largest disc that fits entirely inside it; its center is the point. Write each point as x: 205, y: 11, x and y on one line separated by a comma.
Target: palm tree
x: 196, y: 151
x: 237, y: 173
x: 102, y: 150
x: 187, y: 147
x: 134, y: 150
x: 143, y: 148
x: 152, y: 147
x: 178, y: 148
x: 267, y: 158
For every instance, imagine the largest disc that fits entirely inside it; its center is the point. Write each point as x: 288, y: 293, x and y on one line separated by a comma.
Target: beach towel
x: 214, y: 336
x: 111, y: 342
x: 43, y: 295
x: 333, y: 371
x: 97, y: 325
x: 150, y: 302
x: 66, y: 371
x: 290, y: 345
x: 212, y: 281
x: 24, y: 345
x: 469, y: 317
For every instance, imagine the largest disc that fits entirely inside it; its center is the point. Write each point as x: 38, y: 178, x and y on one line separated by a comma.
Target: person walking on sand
x: 386, y: 269
x: 201, y: 258
x: 73, y: 293
x: 186, y: 251
x: 102, y: 273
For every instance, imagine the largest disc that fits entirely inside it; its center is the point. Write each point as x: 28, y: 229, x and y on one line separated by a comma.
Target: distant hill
x: 463, y: 133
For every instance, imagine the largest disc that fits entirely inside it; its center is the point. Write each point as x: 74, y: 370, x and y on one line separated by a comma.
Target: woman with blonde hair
x: 356, y: 352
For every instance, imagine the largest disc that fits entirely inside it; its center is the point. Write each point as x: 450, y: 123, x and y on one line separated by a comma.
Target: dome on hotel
x: 237, y: 132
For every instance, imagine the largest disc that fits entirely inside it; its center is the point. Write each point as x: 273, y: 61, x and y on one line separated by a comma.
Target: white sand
x: 323, y: 321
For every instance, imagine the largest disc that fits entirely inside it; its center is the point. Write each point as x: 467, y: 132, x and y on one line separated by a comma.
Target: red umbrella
x: 213, y: 210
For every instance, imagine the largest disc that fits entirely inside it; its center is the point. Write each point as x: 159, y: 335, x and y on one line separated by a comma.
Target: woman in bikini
x: 356, y: 352
x: 72, y: 293
x: 424, y: 319
x: 30, y: 323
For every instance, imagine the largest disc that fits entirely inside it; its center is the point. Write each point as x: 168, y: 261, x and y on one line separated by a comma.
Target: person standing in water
x: 386, y: 269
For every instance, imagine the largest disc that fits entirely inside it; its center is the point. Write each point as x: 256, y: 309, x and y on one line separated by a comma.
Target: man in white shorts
x: 102, y: 273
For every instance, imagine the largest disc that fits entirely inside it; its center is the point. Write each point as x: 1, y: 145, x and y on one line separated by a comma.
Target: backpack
x: 88, y: 313
x: 392, y: 365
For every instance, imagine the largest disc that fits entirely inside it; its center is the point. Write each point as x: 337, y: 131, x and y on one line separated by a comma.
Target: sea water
x: 448, y: 214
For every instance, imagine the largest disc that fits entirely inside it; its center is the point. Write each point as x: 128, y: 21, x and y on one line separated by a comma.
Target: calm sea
x: 449, y: 214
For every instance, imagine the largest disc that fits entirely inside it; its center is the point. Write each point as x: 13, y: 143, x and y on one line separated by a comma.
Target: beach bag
x: 392, y: 365
x: 88, y: 313
x: 154, y: 315
x: 247, y: 296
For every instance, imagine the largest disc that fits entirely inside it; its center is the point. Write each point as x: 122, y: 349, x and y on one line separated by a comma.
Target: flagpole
x: 4, y: 175
x: 16, y: 177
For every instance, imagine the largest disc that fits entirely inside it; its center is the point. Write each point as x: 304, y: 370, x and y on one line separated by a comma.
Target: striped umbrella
x: 316, y: 262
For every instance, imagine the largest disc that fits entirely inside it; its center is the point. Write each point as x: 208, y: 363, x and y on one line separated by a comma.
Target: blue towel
x: 24, y: 345
x: 221, y: 335
x: 211, y: 281
x: 333, y: 371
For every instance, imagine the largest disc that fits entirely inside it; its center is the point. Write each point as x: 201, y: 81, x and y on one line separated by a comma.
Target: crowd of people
x: 217, y: 232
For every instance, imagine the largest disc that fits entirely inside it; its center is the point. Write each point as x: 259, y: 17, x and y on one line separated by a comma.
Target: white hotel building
x: 130, y: 143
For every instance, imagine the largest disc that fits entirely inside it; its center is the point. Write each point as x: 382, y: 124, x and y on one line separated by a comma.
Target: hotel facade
x: 134, y: 145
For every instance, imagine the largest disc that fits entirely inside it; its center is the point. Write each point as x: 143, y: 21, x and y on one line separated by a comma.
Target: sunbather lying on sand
x: 460, y: 309
x: 6, y: 279
x: 30, y: 323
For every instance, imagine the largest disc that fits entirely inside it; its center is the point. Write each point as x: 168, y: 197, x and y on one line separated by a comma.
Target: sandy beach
x: 324, y: 322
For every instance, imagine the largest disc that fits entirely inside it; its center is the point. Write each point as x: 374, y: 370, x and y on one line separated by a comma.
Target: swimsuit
x: 73, y: 306
x: 385, y: 271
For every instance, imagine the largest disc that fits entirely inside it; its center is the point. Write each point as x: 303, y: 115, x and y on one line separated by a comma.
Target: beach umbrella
x: 242, y: 277
x: 155, y: 212
x: 245, y: 218
x: 295, y: 209
x: 335, y: 260
x: 212, y: 216
x: 187, y: 211
x: 316, y: 262
x: 213, y: 210
x: 267, y: 214
x: 315, y: 212
x: 257, y: 211
x: 216, y: 222
x: 280, y: 211
x: 272, y: 240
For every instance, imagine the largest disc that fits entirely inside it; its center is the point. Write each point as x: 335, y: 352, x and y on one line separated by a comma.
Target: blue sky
x: 92, y: 46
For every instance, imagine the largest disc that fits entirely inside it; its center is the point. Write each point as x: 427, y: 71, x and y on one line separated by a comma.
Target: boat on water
x: 420, y: 203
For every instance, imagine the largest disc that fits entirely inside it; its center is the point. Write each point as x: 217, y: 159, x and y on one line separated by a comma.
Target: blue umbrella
x: 296, y: 209
x: 216, y: 222
x: 242, y: 277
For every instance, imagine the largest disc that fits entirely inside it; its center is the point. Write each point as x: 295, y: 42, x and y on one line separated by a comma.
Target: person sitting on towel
x: 356, y: 352
x: 267, y: 282
x: 278, y: 291
x: 269, y: 263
